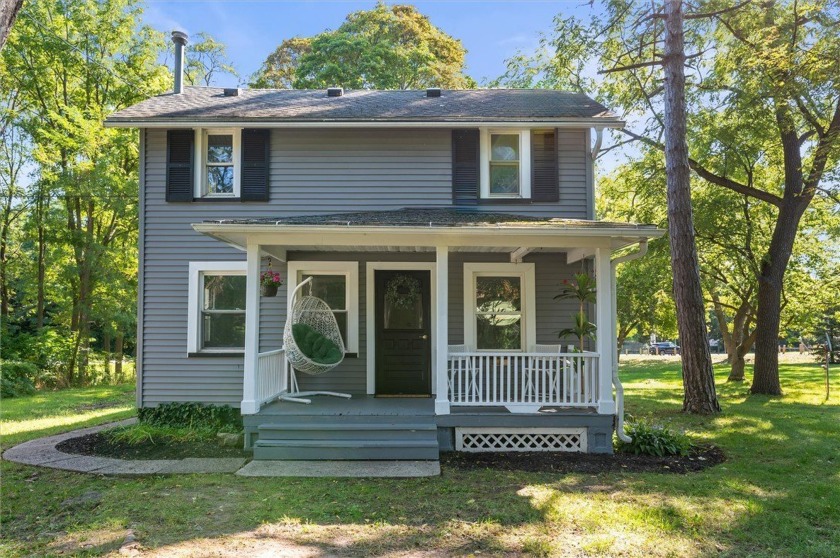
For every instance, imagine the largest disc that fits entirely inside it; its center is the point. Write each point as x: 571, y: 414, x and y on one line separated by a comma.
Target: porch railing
x: 523, y: 381
x: 272, y: 376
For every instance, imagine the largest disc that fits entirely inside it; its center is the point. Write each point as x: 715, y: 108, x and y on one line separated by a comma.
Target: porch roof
x: 417, y: 227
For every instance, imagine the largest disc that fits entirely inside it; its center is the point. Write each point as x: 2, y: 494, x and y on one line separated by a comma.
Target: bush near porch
x: 778, y: 494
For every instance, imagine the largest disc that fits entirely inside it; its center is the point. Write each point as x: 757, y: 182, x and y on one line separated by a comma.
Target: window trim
x: 196, y: 273
x: 201, y: 163
x: 524, y: 163
x: 350, y: 271
x: 527, y: 276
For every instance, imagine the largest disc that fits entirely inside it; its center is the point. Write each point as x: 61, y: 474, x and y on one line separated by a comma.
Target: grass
x: 777, y: 495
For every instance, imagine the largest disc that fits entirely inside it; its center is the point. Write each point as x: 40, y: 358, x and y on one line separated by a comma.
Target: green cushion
x: 315, y: 346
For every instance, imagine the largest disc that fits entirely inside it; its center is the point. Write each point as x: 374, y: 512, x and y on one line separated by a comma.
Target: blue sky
x: 491, y: 31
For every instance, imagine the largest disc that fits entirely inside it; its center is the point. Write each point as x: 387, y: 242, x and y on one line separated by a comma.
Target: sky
x: 491, y: 31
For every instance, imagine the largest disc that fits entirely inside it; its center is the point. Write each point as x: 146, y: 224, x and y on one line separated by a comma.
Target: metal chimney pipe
x: 180, y: 40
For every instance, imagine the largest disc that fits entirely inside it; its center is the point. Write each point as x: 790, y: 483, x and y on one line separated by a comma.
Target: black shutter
x: 545, y: 184
x: 179, y: 165
x: 465, y: 171
x: 255, y: 155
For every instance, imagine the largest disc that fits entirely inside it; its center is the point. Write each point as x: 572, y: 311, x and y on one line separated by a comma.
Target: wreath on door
x: 403, y: 291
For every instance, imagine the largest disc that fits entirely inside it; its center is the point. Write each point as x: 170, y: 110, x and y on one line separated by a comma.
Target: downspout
x: 619, y: 389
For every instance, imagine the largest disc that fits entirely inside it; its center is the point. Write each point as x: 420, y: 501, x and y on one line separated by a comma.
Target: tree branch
x: 712, y: 177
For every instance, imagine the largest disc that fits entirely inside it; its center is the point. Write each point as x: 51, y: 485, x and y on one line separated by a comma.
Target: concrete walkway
x: 43, y: 453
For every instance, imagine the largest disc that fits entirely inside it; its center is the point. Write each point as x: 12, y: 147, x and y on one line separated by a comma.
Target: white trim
x: 350, y: 271
x: 527, y: 274
x: 141, y: 258
x: 605, y: 321
x: 196, y: 271
x: 524, y: 162
x: 407, y: 124
x: 250, y: 398
x: 201, y: 152
x: 370, y: 315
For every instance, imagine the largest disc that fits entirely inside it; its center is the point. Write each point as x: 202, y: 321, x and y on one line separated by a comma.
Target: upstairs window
x: 506, y: 164
x: 218, y: 160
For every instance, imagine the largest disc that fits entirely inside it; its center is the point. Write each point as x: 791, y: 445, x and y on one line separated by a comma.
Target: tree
x: 279, y: 69
x: 205, y: 60
x: 388, y: 47
x: 8, y: 12
x: 698, y: 374
x: 765, y: 120
x: 71, y: 65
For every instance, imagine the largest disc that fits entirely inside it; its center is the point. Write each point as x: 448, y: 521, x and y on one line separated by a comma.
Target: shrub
x: 137, y: 434
x: 652, y: 439
x: 192, y: 415
x: 17, y: 378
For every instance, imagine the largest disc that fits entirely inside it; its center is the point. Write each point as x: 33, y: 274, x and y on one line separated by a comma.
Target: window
x: 218, y: 156
x: 499, y: 314
x: 506, y: 164
x: 216, y: 307
x: 337, y: 284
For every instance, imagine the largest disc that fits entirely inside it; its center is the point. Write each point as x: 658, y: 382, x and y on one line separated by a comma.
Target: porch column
x: 250, y: 404
x: 442, y: 330
x: 606, y: 329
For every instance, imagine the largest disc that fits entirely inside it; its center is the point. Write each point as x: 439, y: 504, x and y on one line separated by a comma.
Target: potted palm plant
x: 582, y: 289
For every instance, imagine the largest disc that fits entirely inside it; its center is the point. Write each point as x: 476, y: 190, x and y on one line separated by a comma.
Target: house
x: 438, y: 226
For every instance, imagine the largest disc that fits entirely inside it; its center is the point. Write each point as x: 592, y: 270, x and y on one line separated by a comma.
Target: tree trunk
x: 106, y: 350
x: 40, y: 207
x: 8, y: 13
x: 698, y: 374
x: 118, y: 355
x: 770, y: 281
x: 720, y: 314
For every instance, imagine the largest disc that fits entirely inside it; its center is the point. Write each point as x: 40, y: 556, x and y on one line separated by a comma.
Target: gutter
x: 619, y: 389
x: 230, y: 122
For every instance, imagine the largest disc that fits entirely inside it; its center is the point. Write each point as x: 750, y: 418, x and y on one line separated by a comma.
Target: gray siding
x: 312, y: 171
x: 350, y: 375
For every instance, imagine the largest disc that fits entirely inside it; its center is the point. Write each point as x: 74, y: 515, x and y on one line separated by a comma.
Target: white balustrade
x: 523, y: 382
x: 272, y: 375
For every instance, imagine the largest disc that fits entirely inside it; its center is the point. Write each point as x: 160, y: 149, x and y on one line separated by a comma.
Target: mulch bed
x: 700, y: 458
x: 101, y: 446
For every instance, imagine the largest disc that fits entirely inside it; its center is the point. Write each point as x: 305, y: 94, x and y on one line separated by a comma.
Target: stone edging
x: 42, y: 453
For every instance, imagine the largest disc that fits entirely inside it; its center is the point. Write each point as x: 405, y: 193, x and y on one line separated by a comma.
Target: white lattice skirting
x: 491, y: 438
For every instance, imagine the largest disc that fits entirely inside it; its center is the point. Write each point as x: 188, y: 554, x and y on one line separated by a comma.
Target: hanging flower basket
x: 268, y: 290
x: 269, y: 281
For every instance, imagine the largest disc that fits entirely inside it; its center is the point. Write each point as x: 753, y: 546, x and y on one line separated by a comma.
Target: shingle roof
x: 270, y: 105
x: 432, y: 217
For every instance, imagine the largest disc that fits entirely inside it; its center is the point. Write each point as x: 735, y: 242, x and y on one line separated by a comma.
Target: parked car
x: 664, y: 348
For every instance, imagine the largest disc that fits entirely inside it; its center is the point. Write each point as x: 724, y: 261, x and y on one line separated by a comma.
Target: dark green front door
x: 403, y: 333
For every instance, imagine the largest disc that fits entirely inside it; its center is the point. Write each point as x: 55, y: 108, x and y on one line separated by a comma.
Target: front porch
x: 368, y: 427
x: 523, y: 385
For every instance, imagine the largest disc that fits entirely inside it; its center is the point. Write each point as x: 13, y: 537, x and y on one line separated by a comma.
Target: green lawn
x: 777, y: 495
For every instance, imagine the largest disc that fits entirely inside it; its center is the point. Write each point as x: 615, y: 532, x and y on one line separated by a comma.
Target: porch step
x: 354, y: 430
x: 346, y: 449
x: 346, y: 437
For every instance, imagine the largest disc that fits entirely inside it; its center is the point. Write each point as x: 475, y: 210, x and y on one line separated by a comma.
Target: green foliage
x: 387, y: 47
x: 17, y: 378
x: 191, y: 415
x: 157, y: 434
x: 582, y: 289
x: 652, y: 439
x: 205, y: 60
x: 315, y: 346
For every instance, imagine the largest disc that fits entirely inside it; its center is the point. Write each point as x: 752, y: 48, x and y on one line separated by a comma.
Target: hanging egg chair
x: 312, y: 341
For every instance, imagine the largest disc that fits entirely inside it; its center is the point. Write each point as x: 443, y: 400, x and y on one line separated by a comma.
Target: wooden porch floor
x: 356, y: 406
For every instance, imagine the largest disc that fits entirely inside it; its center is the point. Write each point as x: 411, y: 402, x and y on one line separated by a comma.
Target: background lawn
x: 777, y: 495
